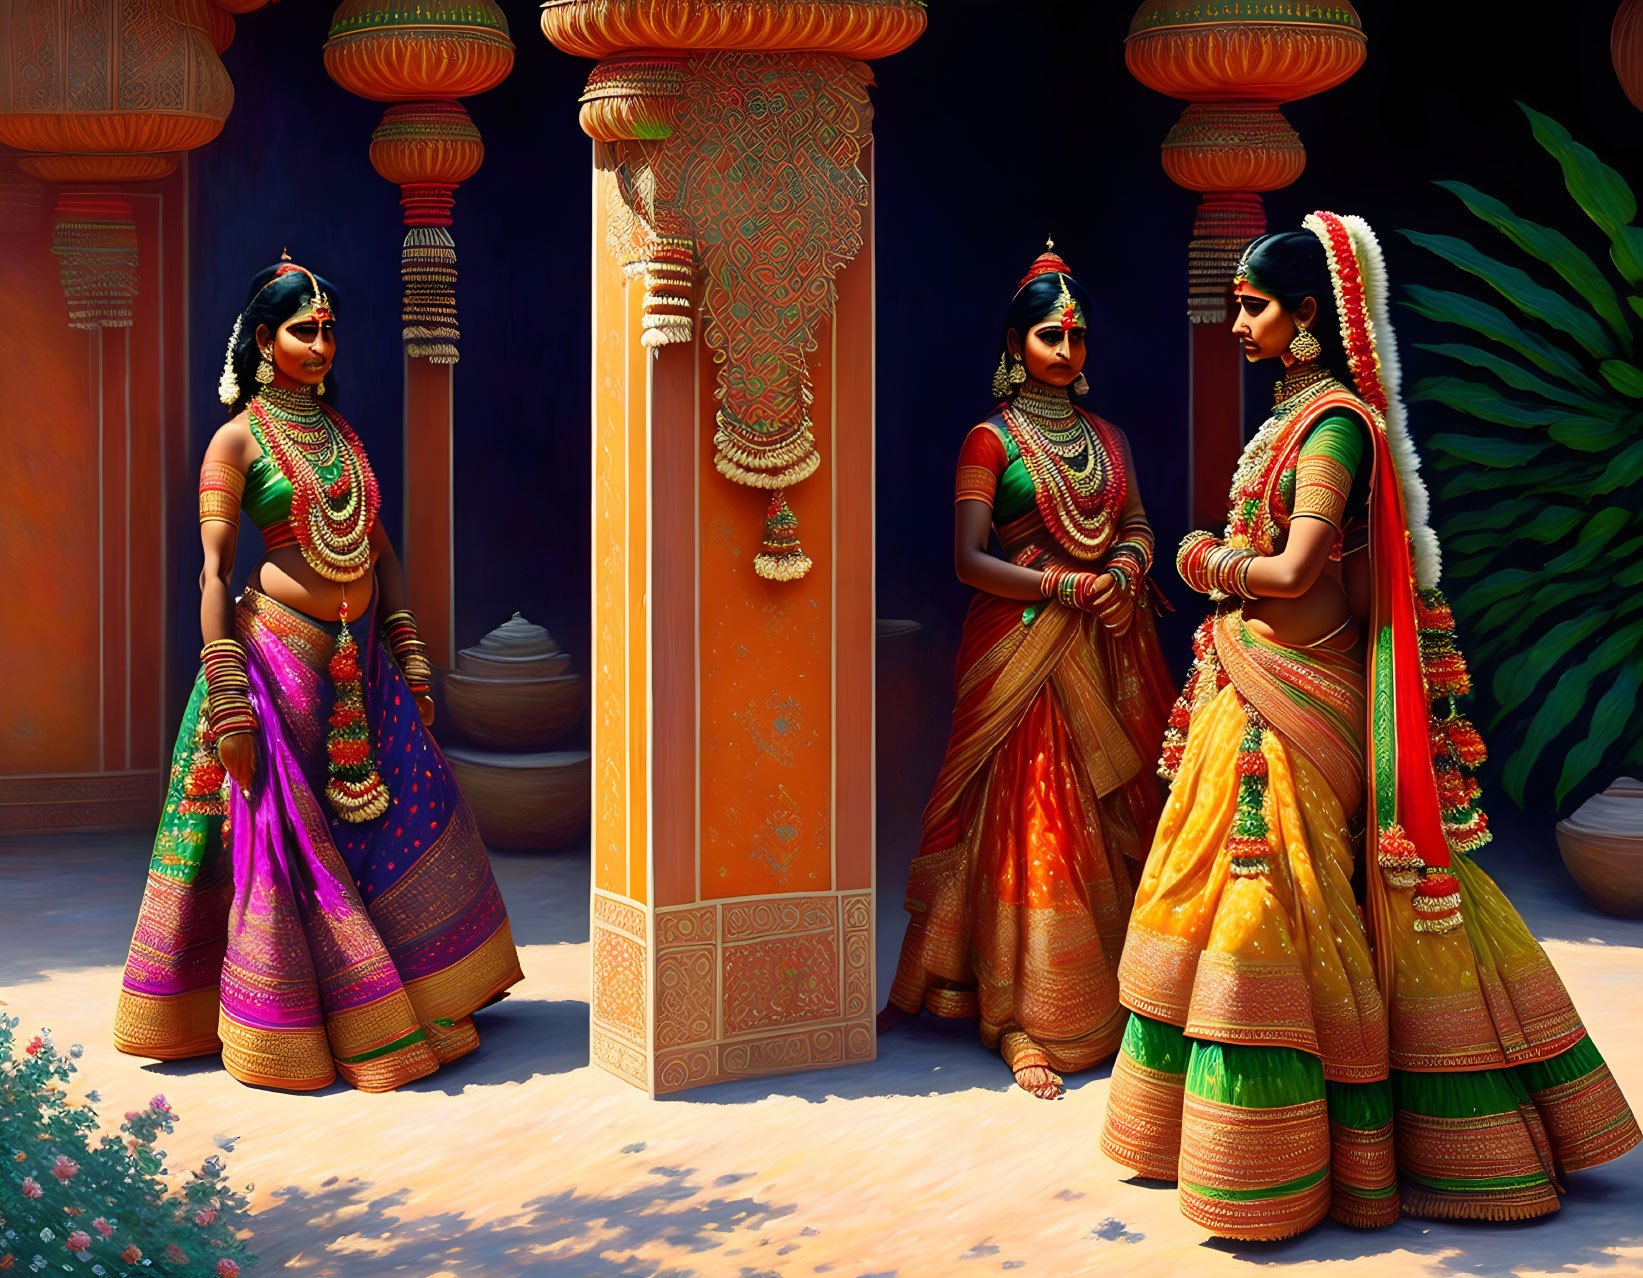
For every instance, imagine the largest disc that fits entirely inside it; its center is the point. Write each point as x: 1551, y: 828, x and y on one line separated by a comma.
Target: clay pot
x: 516, y: 714
x: 510, y: 691
x: 527, y: 802
x: 1602, y: 844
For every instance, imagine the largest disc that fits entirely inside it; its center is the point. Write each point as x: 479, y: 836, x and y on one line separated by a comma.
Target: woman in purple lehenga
x: 335, y: 913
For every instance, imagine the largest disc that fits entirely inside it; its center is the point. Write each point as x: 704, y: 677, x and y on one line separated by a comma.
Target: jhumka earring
x: 1001, y: 379
x: 1018, y: 372
x: 1081, y: 385
x: 320, y: 389
x: 1303, y: 346
x: 265, y: 370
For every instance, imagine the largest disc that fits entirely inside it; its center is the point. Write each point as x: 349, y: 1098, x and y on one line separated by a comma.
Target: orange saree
x: 1019, y: 893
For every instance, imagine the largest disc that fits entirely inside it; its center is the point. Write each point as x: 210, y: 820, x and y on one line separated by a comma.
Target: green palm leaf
x: 1534, y: 300
x: 1515, y: 376
x: 1601, y: 192
x: 1554, y: 248
x: 1485, y: 402
x: 1466, y: 312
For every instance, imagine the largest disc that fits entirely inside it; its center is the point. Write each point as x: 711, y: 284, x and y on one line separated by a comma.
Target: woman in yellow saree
x: 1291, y: 1053
x: 1020, y: 889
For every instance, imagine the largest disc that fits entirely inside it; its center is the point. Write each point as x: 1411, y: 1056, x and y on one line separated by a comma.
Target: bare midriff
x: 1323, y: 616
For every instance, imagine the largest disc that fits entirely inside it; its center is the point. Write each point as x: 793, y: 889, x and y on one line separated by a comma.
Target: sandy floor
x: 523, y: 1160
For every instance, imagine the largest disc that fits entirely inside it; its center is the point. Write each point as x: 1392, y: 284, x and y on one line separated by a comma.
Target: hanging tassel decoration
x: 355, y: 790
x: 782, y: 559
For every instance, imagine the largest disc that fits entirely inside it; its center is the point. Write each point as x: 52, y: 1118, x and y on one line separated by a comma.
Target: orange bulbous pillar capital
x: 732, y: 530
x: 1234, y: 64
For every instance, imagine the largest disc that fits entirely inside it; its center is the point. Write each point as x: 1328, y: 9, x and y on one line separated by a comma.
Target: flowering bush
x: 57, y: 1168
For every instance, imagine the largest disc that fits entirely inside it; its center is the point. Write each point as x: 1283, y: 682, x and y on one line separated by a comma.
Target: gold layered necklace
x: 334, y: 496
x: 1079, y: 491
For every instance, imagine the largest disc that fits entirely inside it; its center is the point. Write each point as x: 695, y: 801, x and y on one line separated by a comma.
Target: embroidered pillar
x: 732, y: 415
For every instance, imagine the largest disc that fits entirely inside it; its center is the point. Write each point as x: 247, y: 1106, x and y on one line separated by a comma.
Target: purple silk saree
x: 299, y: 945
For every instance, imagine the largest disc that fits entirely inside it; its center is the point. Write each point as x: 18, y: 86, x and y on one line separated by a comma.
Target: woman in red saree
x: 1302, y: 1046
x: 1020, y: 890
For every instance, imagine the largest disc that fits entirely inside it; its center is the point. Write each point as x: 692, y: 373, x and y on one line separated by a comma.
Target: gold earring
x: 1303, y: 346
x: 265, y: 370
x: 320, y: 389
x: 1081, y: 385
x: 1018, y: 372
x: 1001, y: 379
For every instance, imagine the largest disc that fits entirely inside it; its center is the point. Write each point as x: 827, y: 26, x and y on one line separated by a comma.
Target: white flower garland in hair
x: 1378, y: 322
x: 228, y: 386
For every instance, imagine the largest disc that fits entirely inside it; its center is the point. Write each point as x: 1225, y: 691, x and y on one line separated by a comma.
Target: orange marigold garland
x: 1436, y: 902
x: 1398, y: 858
x: 355, y: 790
x: 1247, y: 843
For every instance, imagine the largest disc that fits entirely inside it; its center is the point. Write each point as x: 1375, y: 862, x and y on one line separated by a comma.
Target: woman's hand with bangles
x: 238, y: 754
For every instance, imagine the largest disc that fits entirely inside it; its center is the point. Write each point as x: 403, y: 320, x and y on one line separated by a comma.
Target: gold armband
x: 220, y: 489
x: 1321, y: 487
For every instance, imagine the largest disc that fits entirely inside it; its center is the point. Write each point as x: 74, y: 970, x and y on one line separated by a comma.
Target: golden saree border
x: 454, y: 1041
x: 1142, y: 1129
x: 469, y: 983
x: 1085, y: 693
x: 1233, y: 1147
x: 1228, y: 1147
x: 298, y: 1060
x: 952, y: 1003
x: 1260, y: 1002
x: 1480, y: 1147
x: 1524, y: 1203
x: 1365, y: 1172
x: 1587, y: 1120
x: 1156, y: 974
x: 301, y: 636
x: 167, y: 1027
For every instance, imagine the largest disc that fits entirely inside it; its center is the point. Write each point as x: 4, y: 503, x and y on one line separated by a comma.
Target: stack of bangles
x: 228, y: 690
x: 1077, y: 590
x: 1212, y: 568
x: 399, y: 632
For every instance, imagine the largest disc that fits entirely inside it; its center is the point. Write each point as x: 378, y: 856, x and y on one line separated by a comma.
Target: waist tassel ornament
x: 355, y: 790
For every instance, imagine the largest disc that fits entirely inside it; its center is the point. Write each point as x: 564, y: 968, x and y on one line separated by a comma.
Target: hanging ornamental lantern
x: 213, y: 19
x: 112, y: 95
x: 95, y: 240
x: 1235, y: 64
x: 21, y: 198
x: 1626, y: 49
x: 423, y: 55
x: 732, y: 133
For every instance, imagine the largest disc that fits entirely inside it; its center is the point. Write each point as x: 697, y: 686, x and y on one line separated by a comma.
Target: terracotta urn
x: 1602, y: 844
x: 535, y: 801
x: 511, y: 691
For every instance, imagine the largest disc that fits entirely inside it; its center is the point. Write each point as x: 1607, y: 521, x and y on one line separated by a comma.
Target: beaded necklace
x: 1078, y: 487
x: 1249, y: 523
x: 334, y: 496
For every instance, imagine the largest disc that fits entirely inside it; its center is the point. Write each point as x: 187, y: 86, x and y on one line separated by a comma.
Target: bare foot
x: 890, y: 1017
x: 1040, y: 1080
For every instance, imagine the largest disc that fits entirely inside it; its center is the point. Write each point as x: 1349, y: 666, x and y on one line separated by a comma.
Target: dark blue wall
x: 1006, y: 123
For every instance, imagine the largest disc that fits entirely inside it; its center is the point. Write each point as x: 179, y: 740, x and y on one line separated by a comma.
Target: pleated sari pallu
x: 300, y: 945
x: 1255, y: 1069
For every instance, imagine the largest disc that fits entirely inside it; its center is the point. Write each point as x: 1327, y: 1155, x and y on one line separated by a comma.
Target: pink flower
x: 160, y: 1103
x: 131, y: 1255
x: 64, y: 1168
x: 35, y: 1044
x: 31, y: 1188
x: 205, y: 1217
x: 103, y: 1227
x: 78, y: 1241
x: 226, y: 1268
x: 175, y: 1254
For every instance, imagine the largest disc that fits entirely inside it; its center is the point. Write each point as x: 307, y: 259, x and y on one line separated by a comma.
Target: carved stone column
x: 732, y: 410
